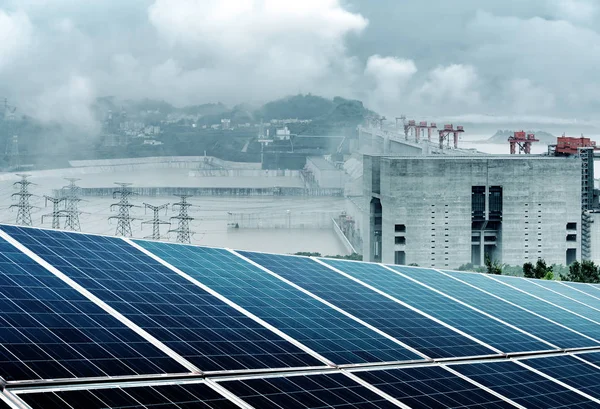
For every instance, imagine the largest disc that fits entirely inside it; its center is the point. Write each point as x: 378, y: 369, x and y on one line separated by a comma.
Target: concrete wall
x: 595, y: 237
x: 326, y: 174
x: 432, y: 198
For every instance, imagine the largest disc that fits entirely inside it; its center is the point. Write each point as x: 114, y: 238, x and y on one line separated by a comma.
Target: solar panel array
x: 103, y: 322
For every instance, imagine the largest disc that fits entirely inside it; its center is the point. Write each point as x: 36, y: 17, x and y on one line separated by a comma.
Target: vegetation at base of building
x: 353, y: 256
x: 540, y: 271
x: 585, y: 272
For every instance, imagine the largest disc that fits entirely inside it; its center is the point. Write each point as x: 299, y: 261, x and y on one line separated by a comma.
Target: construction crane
x: 523, y: 141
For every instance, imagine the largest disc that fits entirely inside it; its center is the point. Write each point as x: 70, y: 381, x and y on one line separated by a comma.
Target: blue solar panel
x: 471, y: 322
x: 432, y: 387
x: 592, y: 357
x: 414, y: 329
x: 320, y: 327
x: 586, y: 288
x: 549, y: 311
x: 571, y: 371
x: 571, y: 292
x: 49, y: 330
x: 315, y: 391
x: 189, y: 396
x: 524, y: 386
x: 538, y: 326
x: 530, y: 287
x: 195, y: 324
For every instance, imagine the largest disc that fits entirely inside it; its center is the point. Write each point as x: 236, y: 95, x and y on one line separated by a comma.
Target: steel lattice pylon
x: 156, y: 222
x: 124, y: 219
x: 183, y: 220
x: 56, y: 212
x: 72, y: 200
x: 23, y: 207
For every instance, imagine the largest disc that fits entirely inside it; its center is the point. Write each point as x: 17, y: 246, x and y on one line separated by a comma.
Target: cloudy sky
x: 530, y: 58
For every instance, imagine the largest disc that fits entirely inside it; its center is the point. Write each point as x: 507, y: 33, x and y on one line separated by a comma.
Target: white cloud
x: 67, y: 103
x: 16, y: 34
x: 389, y: 77
x: 453, y: 87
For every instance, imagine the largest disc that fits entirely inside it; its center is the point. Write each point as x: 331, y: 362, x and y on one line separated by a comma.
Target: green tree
x: 584, y: 272
x: 492, y: 266
x: 528, y: 270
x: 541, y: 269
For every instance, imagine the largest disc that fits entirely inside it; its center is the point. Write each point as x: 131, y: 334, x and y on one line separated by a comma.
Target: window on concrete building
x: 478, y: 203
x: 495, y: 202
x: 400, y: 228
x: 400, y: 240
x: 400, y: 258
x: 571, y: 237
x: 571, y: 226
x: 571, y: 256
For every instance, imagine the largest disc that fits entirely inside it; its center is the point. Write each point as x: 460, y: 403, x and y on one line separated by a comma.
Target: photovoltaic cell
x: 593, y: 357
x: 421, y: 333
x: 459, y: 316
x: 545, y: 309
x: 432, y: 387
x: 320, y: 327
x: 538, y: 326
x: 49, y: 330
x: 315, y: 391
x: 524, y: 386
x: 586, y: 288
x: 190, y: 396
x: 195, y: 324
x: 557, y: 299
x: 570, y: 292
x: 571, y: 371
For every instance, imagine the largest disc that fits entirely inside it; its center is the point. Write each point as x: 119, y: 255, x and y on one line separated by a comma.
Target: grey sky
x: 427, y: 57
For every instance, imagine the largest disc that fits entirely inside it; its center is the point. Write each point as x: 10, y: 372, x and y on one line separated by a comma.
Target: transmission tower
x: 183, y: 220
x: 156, y: 222
x: 24, y: 207
x: 72, y: 200
x: 56, y: 212
x: 124, y: 219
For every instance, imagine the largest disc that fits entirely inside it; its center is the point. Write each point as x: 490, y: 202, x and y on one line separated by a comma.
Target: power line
x: 72, y: 205
x: 183, y: 220
x: 56, y: 212
x: 24, y: 207
x: 124, y: 219
x: 156, y: 222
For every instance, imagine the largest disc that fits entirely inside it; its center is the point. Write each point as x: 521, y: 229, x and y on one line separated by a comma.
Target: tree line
x: 580, y: 272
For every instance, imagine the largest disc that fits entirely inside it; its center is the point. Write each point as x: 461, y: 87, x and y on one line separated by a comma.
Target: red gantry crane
x: 446, y: 132
x: 523, y: 140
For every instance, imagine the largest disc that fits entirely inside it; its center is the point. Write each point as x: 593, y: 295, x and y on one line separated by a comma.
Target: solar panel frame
x: 203, y: 394
x: 202, y: 351
x: 390, y: 301
x: 66, y: 295
x: 444, y: 303
x: 154, y: 251
x: 5, y: 403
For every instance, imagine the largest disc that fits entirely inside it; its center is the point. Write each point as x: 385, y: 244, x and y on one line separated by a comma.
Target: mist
x: 498, y: 58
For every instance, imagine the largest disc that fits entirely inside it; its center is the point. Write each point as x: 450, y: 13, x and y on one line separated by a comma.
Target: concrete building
x: 446, y: 211
x: 324, y: 173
